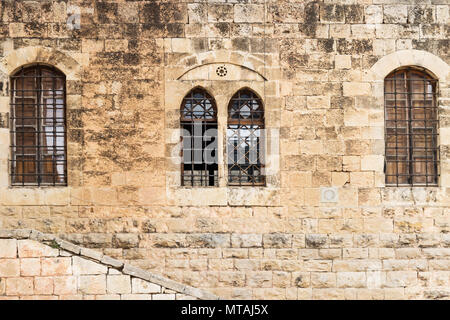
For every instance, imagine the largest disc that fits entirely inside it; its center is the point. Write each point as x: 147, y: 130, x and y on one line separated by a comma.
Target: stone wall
x: 319, y: 68
x: 40, y: 266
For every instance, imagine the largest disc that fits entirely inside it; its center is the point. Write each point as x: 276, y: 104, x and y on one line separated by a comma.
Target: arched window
x: 38, y: 127
x: 245, y: 139
x: 411, y: 116
x: 199, y: 138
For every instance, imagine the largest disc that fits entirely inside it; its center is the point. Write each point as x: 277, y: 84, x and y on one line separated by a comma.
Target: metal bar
x: 38, y: 148
x: 421, y: 129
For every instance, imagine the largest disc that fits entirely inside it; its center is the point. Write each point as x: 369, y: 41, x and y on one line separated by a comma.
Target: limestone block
x: 248, y: 13
x: 113, y: 45
x: 144, y: 287
x: 151, y: 196
x: 269, y: 293
x: 332, y: 13
x: 43, y: 285
x: 125, y: 240
x: 246, y: 240
x: 372, y: 163
x: 181, y: 45
x: 442, y: 14
x: 9, y: 268
x: 128, y: 12
x: 65, y: 285
x: 30, y: 267
x: 369, y: 197
x: 362, y: 179
x: 356, y: 117
x: 413, y: 224
x: 401, y: 278
x: 363, y: 31
x: 340, y: 31
x: 56, y: 266
x: 92, y: 284
x: 351, y: 163
x: 311, y: 147
x: 85, y: 266
x: 356, y: 89
x: 323, y: 279
x: 318, y: 102
x: 197, y: 13
x: 339, y: 178
x: 21, y: 197
x: 318, y: 265
x: 277, y: 240
x: 89, y: 45
x: 108, y: 297
x: 374, y: 14
x: 163, y: 296
x: 395, y: 13
x: 343, y: 62
x: 351, y: 279
x: 259, y: 279
x: 8, y: 248
x: 136, y: 297
x: 220, y: 13
x: 118, y: 284
x: 19, y: 286
x: 93, y: 254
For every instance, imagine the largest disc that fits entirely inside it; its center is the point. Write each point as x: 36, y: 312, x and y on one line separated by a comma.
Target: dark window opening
x: 411, y: 129
x: 38, y: 127
x: 245, y: 136
x: 199, y: 138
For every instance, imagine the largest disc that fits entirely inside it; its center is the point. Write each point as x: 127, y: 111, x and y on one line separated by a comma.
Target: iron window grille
x: 411, y: 129
x: 38, y: 127
x: 245, y: 139
x: 199, y: 166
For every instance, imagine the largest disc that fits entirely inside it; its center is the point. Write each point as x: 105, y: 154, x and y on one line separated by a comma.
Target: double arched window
x: 244, y: 139
x: 38, y: 127
x: 411, y: 134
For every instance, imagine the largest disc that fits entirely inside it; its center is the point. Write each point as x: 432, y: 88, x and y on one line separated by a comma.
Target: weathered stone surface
x: 85, y: 266
x: 32, y: 249
x: 277, y: 240
x: 9, y: 268
x: 92, y: 284
x: 118, y: 284
x: 246, y: 240
x: 319, y: 69
x: 8, y: 248
x: 56, y: 266
x: 141, y: 286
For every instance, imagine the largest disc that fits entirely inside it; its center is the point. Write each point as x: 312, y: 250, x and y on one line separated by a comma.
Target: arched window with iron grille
x: 411, y: 128
x: 245, y: 139
x: 38, y: 127
x: 199, y: 166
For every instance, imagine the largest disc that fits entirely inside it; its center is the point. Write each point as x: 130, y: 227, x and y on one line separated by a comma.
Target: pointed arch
x: 198, y: 122
x: 245, y: 139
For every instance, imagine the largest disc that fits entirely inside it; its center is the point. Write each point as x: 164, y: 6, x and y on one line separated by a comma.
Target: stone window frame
x: 38, y: 67
x: 260, y: 123
x: 441, y: 72
x: 205, y: 178
x: 181, y: 79
x: 70, y: 64
x: 406, y: 125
